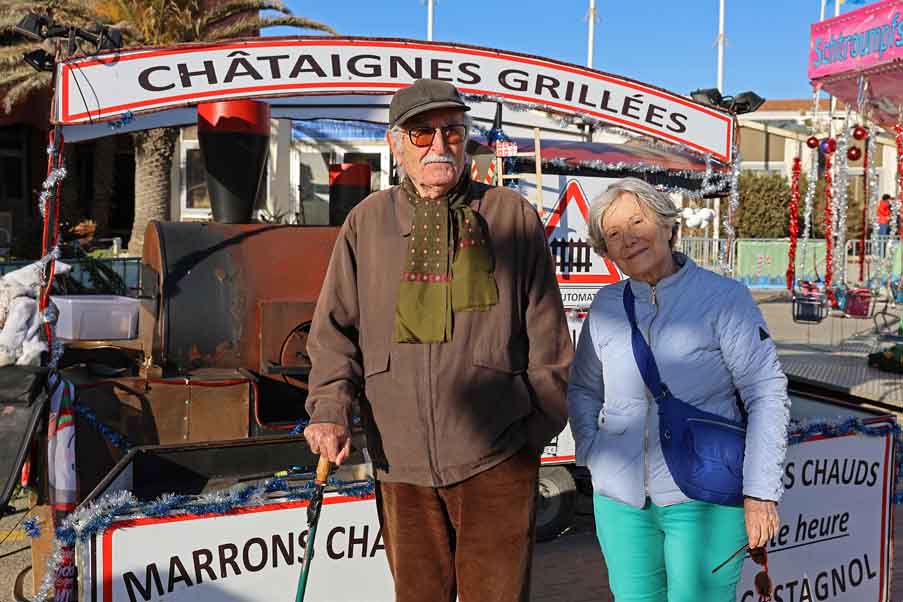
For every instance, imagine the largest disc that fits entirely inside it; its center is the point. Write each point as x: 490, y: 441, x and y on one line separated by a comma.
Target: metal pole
x: 865, y: 206
x: 591, y: 17
x: 721, y: 47
x: 834, y: 98
x: 429, y: 20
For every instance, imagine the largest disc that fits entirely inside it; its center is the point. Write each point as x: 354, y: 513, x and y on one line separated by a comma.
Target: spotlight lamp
x: 746, y: 102
x: 110, y: 39
x: 39, y: 27
x: 32, y: 26
x: 39, y: 59
x: 708, y: 96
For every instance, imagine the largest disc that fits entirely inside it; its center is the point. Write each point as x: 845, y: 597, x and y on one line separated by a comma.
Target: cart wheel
x: 555, y: 504
x: 294, y: 353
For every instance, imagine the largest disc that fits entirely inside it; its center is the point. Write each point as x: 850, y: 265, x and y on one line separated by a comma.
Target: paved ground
x: 15, y: 555
x: 833, y: 352
x: 571, y: 568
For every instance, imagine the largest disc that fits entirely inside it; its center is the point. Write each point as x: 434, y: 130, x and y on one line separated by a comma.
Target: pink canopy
x: 863, y: 45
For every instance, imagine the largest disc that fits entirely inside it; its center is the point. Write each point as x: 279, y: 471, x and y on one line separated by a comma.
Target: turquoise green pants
x: 667, y: 553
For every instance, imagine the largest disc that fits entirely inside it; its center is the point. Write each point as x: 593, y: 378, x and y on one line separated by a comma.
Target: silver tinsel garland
x: 808, y: 204
x: 871, y: 174
x: 727, y: 222
x: 55, y: 176
x: 841, y: 204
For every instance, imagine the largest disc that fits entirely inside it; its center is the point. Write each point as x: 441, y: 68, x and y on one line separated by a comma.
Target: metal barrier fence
x: 877, y: 247
x: 759, y: 262
x: 706, y: 252
x: 128, y: 268
x: 883, y: 258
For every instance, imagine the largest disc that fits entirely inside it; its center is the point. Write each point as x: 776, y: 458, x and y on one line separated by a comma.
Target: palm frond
x: 297, y: 22
x: 11, y: 77
x: 233, y: 9
x: 12, y: 55
x: 21, y: 91
x: 247, y: 26
x: 8, y: 20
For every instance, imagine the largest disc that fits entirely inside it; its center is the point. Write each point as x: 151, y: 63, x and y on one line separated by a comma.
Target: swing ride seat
x: 858, y: 303
x: 809, y: 308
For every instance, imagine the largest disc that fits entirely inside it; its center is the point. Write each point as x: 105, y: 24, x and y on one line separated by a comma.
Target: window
x: 313, y: 190
x: 314, y: 159
x: 196, y: 196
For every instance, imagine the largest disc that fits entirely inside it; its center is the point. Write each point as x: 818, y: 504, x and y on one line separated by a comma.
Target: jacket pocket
x: 615, y: 459
x: 500, y: 360
x: 375, y: 362
x: 614, y: 424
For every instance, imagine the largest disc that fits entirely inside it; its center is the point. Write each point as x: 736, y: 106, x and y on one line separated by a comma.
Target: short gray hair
x: 660, y: 204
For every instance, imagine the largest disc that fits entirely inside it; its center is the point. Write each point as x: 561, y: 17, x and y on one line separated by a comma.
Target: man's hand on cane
x: 332, y: 441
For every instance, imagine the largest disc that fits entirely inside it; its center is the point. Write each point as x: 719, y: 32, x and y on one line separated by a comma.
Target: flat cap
x: 421, y: 96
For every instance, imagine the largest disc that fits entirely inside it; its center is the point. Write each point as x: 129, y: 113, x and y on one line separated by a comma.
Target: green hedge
x: 764, y: 207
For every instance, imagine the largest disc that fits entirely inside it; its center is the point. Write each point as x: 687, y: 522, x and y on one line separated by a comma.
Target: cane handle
x: 323, y: 469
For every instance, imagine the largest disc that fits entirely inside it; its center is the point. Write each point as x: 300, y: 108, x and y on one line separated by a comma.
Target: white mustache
x: 435, y: 158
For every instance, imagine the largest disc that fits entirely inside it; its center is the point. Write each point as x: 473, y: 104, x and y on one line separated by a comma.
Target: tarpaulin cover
x: 577, y: 153
x: 22, y: 400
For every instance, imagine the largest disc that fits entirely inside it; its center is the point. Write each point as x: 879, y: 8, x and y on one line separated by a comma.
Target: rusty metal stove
x: 233, y: 295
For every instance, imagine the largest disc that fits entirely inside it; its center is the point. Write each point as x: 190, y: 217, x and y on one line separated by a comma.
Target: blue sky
x: 668, y: 44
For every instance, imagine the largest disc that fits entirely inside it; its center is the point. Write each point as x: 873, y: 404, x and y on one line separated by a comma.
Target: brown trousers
x: 473, y: 539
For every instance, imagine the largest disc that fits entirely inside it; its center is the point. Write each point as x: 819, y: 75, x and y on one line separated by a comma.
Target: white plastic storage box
x: 96, y: 317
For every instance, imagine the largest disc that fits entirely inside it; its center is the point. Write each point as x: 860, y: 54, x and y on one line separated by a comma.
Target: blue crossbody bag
x: 703, y: 451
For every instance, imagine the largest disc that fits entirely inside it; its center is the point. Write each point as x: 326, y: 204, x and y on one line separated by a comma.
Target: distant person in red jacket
x: 884, y: 215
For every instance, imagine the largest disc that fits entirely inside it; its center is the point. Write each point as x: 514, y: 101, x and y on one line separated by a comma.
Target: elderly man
x: 441, y: 299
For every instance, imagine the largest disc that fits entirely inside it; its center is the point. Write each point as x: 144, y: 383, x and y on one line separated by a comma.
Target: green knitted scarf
x: 449, y: 266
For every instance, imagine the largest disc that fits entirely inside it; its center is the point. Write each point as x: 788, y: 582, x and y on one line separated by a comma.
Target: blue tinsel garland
x: 302, y: 423
x: 126, y: 118
x: 32, y: 526
x: 299, y: 426
x: 88, y: 415
x: 99, y: 515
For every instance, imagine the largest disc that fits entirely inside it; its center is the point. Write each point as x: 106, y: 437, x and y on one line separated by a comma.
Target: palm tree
x: 144, y: 22
x: 162, y: 22
x: 20, y: 84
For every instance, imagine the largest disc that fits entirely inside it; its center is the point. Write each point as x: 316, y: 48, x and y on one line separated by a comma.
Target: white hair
x: 658, y: 203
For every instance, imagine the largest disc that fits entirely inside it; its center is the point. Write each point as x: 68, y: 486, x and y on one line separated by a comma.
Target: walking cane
x: 313, y: 517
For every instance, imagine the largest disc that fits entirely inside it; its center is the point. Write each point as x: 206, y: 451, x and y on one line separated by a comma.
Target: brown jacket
x: 441, y: 412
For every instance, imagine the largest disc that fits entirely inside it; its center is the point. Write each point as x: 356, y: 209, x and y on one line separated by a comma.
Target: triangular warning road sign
x: 567, y: 233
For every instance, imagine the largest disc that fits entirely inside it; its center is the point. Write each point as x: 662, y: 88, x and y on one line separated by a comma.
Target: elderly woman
x: 712, y: 349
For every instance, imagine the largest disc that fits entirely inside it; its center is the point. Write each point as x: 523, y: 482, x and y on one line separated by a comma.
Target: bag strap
x: 642, y: 354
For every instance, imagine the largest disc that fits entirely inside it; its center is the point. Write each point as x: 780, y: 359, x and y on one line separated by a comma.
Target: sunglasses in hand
x: 763, y: 585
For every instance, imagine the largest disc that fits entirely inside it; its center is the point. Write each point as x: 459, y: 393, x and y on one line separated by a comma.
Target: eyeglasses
x: 424, y: 136
x: 763, y: 584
